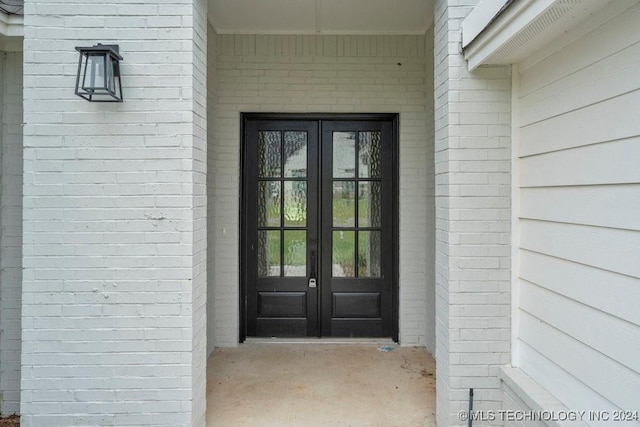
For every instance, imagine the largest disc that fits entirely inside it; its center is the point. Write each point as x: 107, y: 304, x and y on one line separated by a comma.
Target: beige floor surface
x: 320, y: 385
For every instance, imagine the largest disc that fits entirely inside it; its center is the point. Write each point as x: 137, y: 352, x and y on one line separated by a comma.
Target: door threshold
x: 312, y: 340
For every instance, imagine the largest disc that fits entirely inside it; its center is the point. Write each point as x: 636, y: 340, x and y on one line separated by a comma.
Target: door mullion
x: 318, y: 223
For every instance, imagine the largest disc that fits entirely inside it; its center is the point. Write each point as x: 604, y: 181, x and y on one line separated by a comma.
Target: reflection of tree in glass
x: 295, y: 154
x: 268, y: 258
x: 269, y: 154
x: 369, y: 253
x: 295, y: 204
x: 369, y: 155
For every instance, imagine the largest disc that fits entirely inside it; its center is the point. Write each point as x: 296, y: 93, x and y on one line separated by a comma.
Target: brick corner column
x: 114, y: 288
x: 473, y: 178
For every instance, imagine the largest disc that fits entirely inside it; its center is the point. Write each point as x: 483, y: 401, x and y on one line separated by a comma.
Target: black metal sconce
x: 98, y: 78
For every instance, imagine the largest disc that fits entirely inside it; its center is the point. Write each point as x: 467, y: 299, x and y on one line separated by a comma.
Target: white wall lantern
x: 98, y: 78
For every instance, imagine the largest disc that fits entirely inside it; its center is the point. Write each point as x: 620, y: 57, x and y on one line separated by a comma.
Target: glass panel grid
x: 357, y: 244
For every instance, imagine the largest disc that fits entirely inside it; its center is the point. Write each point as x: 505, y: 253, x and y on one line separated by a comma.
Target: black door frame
x: 394, y: 119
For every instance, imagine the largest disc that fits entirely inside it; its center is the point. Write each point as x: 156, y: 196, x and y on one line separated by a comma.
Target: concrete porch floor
x: 320, y: 385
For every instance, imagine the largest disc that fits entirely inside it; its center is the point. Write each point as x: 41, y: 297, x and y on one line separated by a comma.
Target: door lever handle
x: 313, y: 262
x: 312, y: 277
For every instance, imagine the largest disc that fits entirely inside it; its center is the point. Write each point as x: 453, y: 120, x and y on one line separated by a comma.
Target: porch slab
x: 320, y: 384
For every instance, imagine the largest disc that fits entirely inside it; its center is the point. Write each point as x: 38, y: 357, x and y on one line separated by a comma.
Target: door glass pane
x: 369, y: 204
x: 295, y: 253
x: 369, y: 244
x: 269, y: 156
x: 295, y: 154
x: 268, y: 253
x: 344, y: 203
x: 370, y: 157
x: 343, y: 253
x: 295, y: 203
x: 344, y: 154
x: 269, y: 195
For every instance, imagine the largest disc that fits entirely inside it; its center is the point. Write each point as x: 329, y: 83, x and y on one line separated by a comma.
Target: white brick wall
x: 211, y: 95
x: 198, y: 168
x: 430, y: 216
x: 323, y: 74
x: 472, y: 161
x: 114, y: 219
x: 10, y: 230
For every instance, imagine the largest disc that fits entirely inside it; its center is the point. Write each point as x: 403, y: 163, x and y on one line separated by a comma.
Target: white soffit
x: 522, y: 28
x: 321, y: 16
x: 11, y: 25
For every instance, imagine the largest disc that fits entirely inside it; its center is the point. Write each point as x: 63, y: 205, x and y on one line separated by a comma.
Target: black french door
x: 319, y: 226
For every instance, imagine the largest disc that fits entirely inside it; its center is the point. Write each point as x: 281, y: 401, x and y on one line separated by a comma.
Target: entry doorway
x: 319, y: 226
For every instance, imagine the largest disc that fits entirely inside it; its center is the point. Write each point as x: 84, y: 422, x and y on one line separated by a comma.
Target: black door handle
x: 312, y: 259
x: 313, y: 263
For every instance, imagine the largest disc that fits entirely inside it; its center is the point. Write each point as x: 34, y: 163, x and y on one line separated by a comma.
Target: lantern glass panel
x: 94, y: 76
x: 111, y: 81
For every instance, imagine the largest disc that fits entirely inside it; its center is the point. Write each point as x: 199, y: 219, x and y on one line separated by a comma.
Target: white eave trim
x: 11, y: 25
x: 519, y: 27
x: 480, y: 17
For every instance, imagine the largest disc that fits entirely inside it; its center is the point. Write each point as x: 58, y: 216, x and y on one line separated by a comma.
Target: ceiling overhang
x: 11, y: 32
x: 508, y: 31
x: 11, y: 25
x: 321, y: 16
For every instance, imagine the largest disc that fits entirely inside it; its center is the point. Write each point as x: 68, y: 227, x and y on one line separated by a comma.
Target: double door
x: 319, y: 227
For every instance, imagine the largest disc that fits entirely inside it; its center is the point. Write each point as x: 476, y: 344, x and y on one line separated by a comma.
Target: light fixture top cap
x: 112, y: 49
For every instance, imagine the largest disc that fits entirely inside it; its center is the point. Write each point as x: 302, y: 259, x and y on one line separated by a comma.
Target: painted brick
x: 472, y: 163
x: 212, y: 122
x: 10, y: 230
x: 256, y: 73
x: 114, y: 286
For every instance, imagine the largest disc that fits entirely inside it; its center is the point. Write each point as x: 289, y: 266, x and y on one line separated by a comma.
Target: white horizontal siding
x: 605, y: 248
x: 578, y: 142
x: 608, y: 120
x: 604, y: 163
x: 613, y: 381
x: 603, y: 290
x: 559, y: 381
x: 610, y: 335
x: 596, y: 205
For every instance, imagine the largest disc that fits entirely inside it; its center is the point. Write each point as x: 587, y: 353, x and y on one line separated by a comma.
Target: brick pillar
x: 472, y: 161
x: 10, y: 229
x: 114, y: 289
